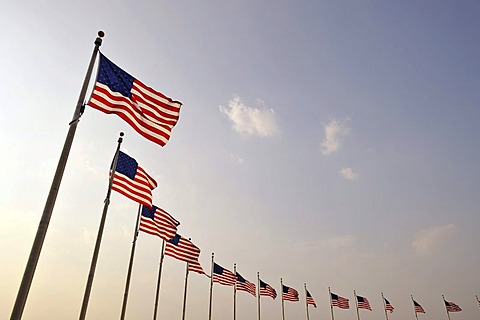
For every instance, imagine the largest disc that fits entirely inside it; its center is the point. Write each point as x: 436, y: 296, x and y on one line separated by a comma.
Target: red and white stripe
x: 163, y: 225
x: 310, y: 299
x: 388, y: 306
x: 246, y: 286
x: 149, y: 112
x: 363, y: 303
x: 227, y: 278
x: 139, y: 189
x: 340, y: 302
x: 290, y: 295
x: 452, y: 307
x: 184, y: 251
x: 268, y: 291
x: 195, y: 266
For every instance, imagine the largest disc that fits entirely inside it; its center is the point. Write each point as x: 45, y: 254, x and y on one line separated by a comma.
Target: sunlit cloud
x: 335, y: 133
x: 251, y: 121
x: 347, y: 173
x: 428, y: 240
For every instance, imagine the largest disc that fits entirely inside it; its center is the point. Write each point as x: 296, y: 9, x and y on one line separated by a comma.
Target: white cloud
x: 347, y: 173
x: 335, y: 132
x: 250, y: 121
x: 428, y: 240
x: 332, y: 243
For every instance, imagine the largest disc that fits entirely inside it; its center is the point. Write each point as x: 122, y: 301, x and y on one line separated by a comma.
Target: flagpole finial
x: 101, y: 34
x: 120, y: 139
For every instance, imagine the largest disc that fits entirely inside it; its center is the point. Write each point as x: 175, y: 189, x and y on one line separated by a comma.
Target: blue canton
x: 149, y: 213
x: 115, y: 78
x: 126, y: 165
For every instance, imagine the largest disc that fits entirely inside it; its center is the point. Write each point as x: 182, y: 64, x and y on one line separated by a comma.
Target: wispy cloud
x: 250, y: 121
x: 428, y: 240
x: 335, y: 133
x: 347, y: 173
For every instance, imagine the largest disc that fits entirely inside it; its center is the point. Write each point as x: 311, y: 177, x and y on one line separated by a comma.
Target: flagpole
x: 331, y: 306
x: 448, y: 314
x: 52, y: 195
x: 416, y: 316
x: 306, y: 302
x: 157, y: 294
x: 283, y: 302
x: 211, y: 290
x: 384, y: 307
x: 130, y: 265
x: 235, y: 293
x: 356, y: 304
x: 93, y: 265
x: 185, y: 293
x: 258, y: 291
x: 478, y: 301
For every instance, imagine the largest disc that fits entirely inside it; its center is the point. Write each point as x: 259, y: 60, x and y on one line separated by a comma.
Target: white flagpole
x: 211, y: 289
x: 306, y: 302
x: 283, y: 303
x: 356, y: 304
x: 258, y: 291
x: 416, y: 317
x: 185, y: 294
x: 93, y: 265
x: 448, y: 314
x: 52, y: 195
x: 331, y: 306
x: 235, y: 293
x: 384, y: 307
x: 157, y: 294
x: 130, y: 265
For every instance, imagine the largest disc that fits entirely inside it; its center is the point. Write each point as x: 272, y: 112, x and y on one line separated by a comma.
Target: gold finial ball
x: 101, y: 34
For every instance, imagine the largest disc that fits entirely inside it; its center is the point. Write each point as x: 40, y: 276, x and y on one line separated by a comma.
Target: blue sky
x: 327, y: 142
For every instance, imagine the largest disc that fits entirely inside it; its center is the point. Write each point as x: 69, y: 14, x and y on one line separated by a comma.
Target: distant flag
x: 338, y: 301
x: 132, y: 181
x: 363, y: 303
x: 452, y: 307
x: 418, y: 308
x: 267, y: 290
x: 478, y: 301
x: 182, y: 249
x: 245, y: 285
x: 158, y: 222
x: 149, y: 112
x: 289, y: 294
x: 223, y: 276
x: 388, y: 306
x: 310, y: 299
x: 195, y: 266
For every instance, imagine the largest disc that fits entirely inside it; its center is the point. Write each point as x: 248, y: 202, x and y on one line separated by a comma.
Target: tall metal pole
x: 416, y: 316
x: 331, y: 306
x: 258, y: 291
x: 384, y: 307
x: 235, y: 293
x: 283, y: 302
x: 130, y: 265
x: 211, y: 290
x: 185, y: 294
x: 356, y: 304
x: 93, y: 265
x: 52, y: 195
x: 157, y: 294
x: 448, y: 314
x: 306, y: 302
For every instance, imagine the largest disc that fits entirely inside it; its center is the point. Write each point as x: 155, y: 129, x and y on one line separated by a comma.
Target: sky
x: 332, y: 143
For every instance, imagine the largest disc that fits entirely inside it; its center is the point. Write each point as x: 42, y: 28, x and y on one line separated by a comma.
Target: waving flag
x: 418, y: 308
x: 289, y: 294
x: 245, y: 285
x: 310, y: 299
x: 132, y: 181
x: 223, y: 276
x: 338, y: 301
x: 195, y: 266
x: 452, y: 307
x: 182, y: 249
x: 388, y: 306
x: 363, y: 303
x: 149, y: 112
x: 158, y: 222
x: 267, y: 290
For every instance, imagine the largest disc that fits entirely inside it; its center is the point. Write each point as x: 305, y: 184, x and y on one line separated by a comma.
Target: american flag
x: 195, y: 266
x: 267, y: 290
x: 388, y: 306
x: 149, y: 112
x: 245, y: 285
x: 338, y: 301
x: 158, y: 222
x: 132, y: 181
x: 310, y: 299
x: 478, y: 301
x: 452, y: 307
x: 182, y: 249
x: 363, y: 303
x: 418, y: 308
x: 223, y: 276
x: 289, y: 294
